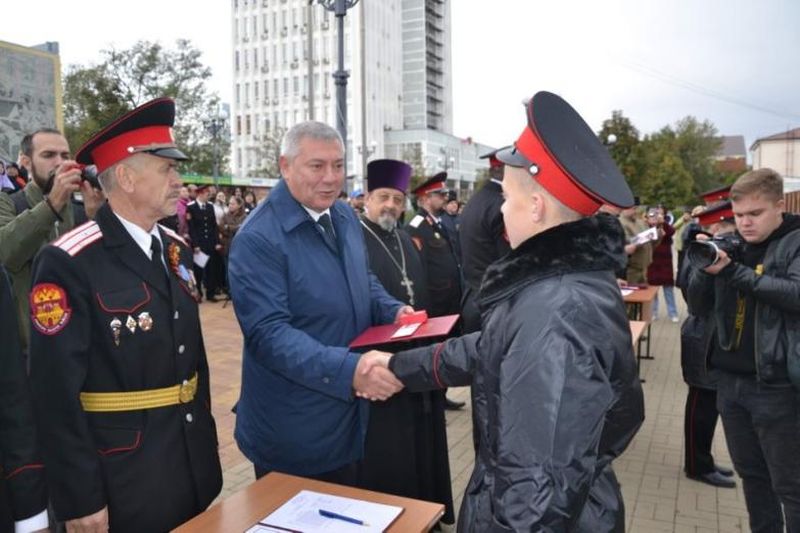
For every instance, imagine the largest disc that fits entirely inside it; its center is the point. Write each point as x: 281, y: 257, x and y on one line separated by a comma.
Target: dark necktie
x: 328, y: 233
x: 155, y: 260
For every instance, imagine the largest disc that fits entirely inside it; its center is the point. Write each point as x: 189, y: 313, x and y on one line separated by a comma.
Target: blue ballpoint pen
x: 329, y: 514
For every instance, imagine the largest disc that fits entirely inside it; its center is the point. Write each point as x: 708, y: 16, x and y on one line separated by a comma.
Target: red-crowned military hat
x: 563, y: 154
x: 388, y: 173
x: 146, y: 129
x: 716, y: 213
x: 492, y: 157
x: 716, y: 195
x: 434, y: 184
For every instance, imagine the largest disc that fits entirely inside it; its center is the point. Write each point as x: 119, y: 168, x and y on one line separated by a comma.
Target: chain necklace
x: 407, y: 283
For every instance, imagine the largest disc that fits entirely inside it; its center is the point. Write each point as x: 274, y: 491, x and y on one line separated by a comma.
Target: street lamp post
x: 366, y: 151
x: 215, y: 125
x: 339, y: 8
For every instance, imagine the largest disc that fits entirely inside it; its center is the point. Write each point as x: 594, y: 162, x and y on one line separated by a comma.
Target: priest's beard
x: 387, y: 221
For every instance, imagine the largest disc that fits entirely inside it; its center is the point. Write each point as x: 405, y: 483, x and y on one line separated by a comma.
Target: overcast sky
x: 732, y: 62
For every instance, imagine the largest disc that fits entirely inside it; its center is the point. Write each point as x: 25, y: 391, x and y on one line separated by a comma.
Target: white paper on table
x: 264, y: 529
x: 626, y: 292
x: 200, y: 259
x: 647, y: 235
x: 301, y: 513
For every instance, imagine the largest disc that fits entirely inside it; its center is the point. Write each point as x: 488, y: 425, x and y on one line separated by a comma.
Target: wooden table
x: 640, y: 304
x: 242, y: 510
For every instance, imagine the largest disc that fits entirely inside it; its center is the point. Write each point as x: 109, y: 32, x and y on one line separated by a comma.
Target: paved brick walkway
x: 657, y: 495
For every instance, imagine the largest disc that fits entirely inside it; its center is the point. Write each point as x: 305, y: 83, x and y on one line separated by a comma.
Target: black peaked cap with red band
x: 716, y: 195
x: 565, y: 156
x: 492, y: 157
x: 434, y: 184
x: 716, y: 213
x: 146, y: 129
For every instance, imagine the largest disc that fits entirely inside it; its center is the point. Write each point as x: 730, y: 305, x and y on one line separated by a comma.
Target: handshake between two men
x: 372, y: 379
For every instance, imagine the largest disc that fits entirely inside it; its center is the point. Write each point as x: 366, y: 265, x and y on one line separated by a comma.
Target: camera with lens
x: 88, y: 173
x: 703, y: 254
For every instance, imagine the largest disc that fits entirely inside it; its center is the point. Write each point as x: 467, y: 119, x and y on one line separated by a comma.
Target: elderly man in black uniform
x: 204, y: 235
x: 23, y: 498
x: 442, y: 270
x: 409, y: 427
x: 483, y: 239
x: 118, y: 366
x: 554, y: 381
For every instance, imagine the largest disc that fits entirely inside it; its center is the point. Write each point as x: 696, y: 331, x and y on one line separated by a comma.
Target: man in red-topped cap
x: 435, y: 245
x: 554, y: 384
x: 118, y: 367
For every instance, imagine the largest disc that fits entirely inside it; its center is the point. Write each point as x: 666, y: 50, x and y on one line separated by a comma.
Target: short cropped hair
x: 26, y: 145
x: 320, y: 131
x: 764, y: 181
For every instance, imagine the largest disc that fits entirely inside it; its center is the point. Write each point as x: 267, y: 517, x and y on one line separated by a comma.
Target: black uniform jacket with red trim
x: 105, y: 319
x: 22, y: 488
x: 443, y: 274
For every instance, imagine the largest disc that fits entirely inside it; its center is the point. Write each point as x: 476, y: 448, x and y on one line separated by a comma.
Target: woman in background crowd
x: 660, y: 271
x: 250, y: 202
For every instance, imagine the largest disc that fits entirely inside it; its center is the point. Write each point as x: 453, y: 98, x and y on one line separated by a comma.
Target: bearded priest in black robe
x: 406, y: 445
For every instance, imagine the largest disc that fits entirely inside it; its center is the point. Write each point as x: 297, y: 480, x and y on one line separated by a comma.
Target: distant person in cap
x: 435, y: 245
x: 483, y: 239
x: 408, y: 427
x: 118, y: 367
x: 697, y: 332
x: 451, y: 221
x: 554, y: 383
x: 357, y: 201
x: 302, y: 291
x: 204, y: 235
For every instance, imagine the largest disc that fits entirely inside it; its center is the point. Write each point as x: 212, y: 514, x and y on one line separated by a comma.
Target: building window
x: 238, y: 125
x: 255, y: 92
x: 236, y: 61
x: 238, y: 95
x: 285, y: 87
x: 296, y: 85
x: 247, y: 124
x: 266, y: 89
x: 246, y: 94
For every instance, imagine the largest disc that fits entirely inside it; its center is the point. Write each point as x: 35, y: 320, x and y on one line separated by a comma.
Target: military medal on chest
x: 145, y: 321
x: 116, y: 327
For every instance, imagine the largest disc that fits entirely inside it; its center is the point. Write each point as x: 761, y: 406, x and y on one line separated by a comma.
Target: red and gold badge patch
x: 50, y: 311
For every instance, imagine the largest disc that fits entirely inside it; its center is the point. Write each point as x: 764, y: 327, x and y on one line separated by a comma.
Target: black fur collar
x: 589, y: 244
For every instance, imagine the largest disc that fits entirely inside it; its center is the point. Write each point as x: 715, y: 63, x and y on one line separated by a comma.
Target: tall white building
x: 397, y: 53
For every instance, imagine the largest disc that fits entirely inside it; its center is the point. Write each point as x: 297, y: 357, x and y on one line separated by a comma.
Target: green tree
x: 268, y: 151
x: 624, y: 149
x: 664, y: 178
x: 696, y: 144
x: 95, y: 95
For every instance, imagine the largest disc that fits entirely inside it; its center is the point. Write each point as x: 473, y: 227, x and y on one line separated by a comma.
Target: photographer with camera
x: 697, y: 335
x: 42, y: 211
x: 751, y: 291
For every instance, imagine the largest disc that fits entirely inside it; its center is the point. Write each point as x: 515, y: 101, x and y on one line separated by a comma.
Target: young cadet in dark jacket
x: 23, y: 499
x: 554, y: 383
x: 697, y: 335
x: 118, y: 366
x: 754, y: 301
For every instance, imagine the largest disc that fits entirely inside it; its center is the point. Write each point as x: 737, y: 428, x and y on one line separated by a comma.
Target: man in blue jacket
x: 302, y: 292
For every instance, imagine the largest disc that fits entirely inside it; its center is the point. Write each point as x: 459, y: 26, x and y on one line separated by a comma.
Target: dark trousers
x: 349, y: 475
x: 207, y: 276
x: 763, y: 433
x: 699, y: 421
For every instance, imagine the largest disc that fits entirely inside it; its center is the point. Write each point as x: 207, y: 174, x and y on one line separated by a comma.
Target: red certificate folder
x: 438, y: 326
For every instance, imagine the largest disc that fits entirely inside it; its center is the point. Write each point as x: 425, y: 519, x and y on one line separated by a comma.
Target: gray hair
x: 290, y: 146
x: 106, y: 178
